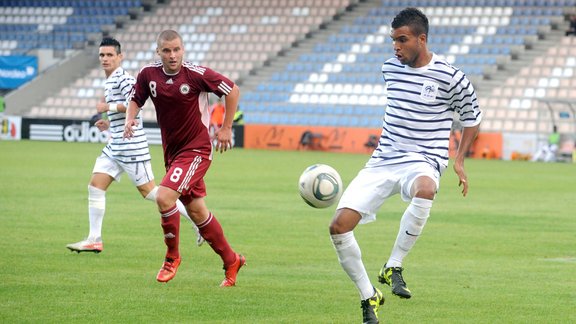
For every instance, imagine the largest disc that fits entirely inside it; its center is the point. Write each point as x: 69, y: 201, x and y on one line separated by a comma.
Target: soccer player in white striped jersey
x: 425, y: 94
x: 119, y: 155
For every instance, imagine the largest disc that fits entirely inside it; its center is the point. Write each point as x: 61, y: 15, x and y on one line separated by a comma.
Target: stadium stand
x: 27, y: 25
x: 215, y: 35
x: 539, y: 96
x: 340, y: 76
x: 317, y: 62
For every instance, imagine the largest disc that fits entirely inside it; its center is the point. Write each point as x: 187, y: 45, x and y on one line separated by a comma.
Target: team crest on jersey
x: 429, y: 91
x: 184, y: 89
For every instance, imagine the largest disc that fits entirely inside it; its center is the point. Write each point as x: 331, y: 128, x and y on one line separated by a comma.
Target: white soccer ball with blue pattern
x: 320, y: 185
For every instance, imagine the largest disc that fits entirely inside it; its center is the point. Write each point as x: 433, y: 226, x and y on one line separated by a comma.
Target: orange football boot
x: 168, y: 270
x: 232, y: 271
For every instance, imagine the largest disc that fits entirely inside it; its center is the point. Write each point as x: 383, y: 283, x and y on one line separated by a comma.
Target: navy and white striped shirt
x: 422, y: 104
x: 117, y: 90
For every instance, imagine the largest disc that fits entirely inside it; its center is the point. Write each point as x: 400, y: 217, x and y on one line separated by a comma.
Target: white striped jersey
x: 117, y: 90
x: 421, y: 107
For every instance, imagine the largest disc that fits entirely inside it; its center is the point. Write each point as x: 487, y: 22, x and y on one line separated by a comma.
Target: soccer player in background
x: 217, y: 112
x: 180, y: 93
x: 118, y: 156
x: 424, y: 94
x: 547, y: 152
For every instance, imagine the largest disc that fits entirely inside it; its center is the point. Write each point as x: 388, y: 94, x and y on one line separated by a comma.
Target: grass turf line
x: 503, y: 254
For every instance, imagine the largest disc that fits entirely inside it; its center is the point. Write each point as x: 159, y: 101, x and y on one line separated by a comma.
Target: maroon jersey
x: 182, y: 106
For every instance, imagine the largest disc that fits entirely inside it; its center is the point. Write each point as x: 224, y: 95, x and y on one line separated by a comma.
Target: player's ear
x: 423, y: 38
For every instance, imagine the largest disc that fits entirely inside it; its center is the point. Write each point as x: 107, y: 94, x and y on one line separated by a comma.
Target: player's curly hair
x: 109, y: 41
x: 413, y: 18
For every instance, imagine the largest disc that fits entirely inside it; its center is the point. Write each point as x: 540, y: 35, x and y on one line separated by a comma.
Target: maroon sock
x: 212, y: 232
x: 171, y: 228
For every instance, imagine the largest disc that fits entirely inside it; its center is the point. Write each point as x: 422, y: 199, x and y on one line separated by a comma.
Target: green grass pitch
x: 504, y: 254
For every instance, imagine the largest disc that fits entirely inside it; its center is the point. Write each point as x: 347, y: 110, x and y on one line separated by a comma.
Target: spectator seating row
x: 342, y: 74
x: 232, y: 37
x: 521, y: 100
x: 338, y: 82
x: 55, y: 24
x: 479, y: 3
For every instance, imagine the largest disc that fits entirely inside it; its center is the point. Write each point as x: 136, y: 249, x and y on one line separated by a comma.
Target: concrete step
x: 539, y: 47
x: 307, y: 44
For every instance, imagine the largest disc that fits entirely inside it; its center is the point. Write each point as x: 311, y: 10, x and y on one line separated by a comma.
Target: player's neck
x: 423, y: 60
x: 109, y: 72
x: 171, y: 73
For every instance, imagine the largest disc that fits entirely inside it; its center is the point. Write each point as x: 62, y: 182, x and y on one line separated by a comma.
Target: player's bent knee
x: 425, y: 194
x: 334, y: 228
x: 344, y: 221
x: 338, y: 228
x: 164, y: 202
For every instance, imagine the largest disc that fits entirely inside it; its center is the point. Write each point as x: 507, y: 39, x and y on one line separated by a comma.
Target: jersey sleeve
x: 126, y: 85
x: 216, y: 83
x: 464, y: 101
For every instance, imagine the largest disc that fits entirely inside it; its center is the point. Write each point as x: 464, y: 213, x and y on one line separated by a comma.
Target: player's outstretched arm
x: 224, y: 134
x: 468, y: 136
x: 131, y: 121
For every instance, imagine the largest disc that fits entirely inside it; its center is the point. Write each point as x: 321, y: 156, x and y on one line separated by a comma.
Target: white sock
x: 152, y: 194
x: 411, y: 227
x: 96, y: 209
x: 350, y: 258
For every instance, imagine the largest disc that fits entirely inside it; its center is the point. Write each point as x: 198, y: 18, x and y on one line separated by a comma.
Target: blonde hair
x: 167, y: 35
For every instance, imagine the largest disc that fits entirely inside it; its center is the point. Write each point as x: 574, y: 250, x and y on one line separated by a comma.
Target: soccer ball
x: 320, y: 185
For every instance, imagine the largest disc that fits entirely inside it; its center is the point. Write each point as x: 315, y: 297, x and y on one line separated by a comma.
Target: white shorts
x: 372, y: 186
x: 139, y: 172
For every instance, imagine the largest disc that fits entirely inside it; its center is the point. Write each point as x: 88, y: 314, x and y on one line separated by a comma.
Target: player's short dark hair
x: 109, y: 41
x: 413, y: 18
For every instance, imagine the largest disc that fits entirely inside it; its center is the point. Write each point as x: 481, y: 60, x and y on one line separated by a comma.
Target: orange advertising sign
x: 346, y: 140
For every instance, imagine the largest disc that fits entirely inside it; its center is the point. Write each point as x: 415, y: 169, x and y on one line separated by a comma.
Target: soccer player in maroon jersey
x: 180, y: 93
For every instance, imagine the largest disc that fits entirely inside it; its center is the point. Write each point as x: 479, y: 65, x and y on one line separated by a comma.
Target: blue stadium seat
x: 87, y: 17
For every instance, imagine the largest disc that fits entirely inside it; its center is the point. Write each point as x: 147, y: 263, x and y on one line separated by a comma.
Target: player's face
x: 109, y: 59
x: 171, y: 53
x: 409, y: 48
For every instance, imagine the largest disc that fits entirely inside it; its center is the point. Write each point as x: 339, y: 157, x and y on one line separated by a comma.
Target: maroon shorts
x: 186, y: 175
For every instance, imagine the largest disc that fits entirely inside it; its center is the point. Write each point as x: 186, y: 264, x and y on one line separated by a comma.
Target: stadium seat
x: 39, y: 19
